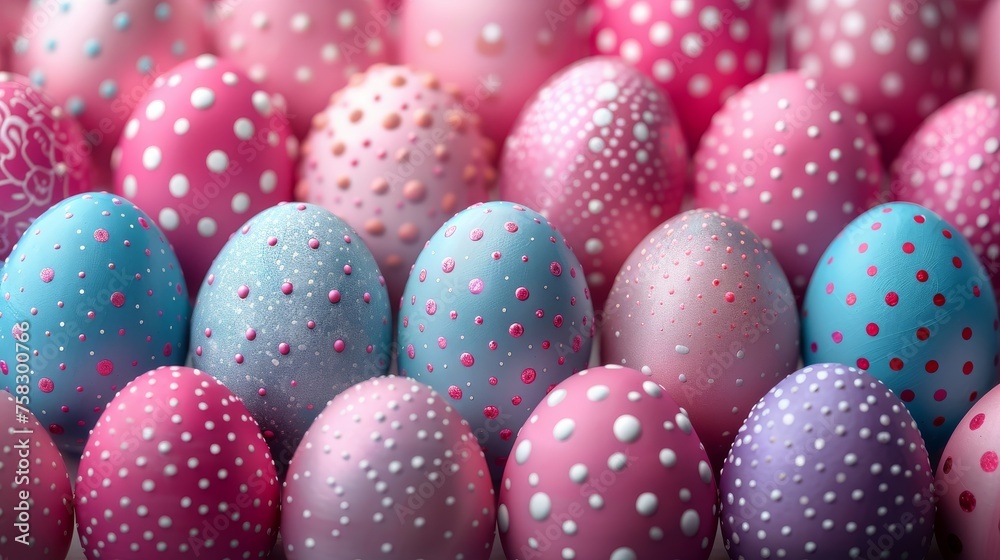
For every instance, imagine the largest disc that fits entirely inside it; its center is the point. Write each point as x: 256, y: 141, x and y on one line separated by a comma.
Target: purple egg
x: 829, y: 464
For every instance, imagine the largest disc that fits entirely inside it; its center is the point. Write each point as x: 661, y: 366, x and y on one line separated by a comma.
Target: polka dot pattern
x: 51, y: 523
x: 605, y: 200
x: 293, y: 311
x: 936, y: 338
x: 587, y: 492
x: 67, y: 284
x: 395, y: 185
x: 497, y: 54
x: 792, y: 161
x: 853, y: 467
x: 389, y: 468
x: 700, y: 53
x: 204, y: 184
x: 175, y: 450
x: 702, y: 307
x: 40, y: 161
x: 303, y: 50
x: 897, y: 75
x: 482, y: 337
x: 961, y: 182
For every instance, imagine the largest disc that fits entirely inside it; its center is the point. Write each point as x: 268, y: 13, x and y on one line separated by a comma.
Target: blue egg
x: 901, y: 294
x: 93, y: 297
x: 293, y: 311
x: 495, y: 313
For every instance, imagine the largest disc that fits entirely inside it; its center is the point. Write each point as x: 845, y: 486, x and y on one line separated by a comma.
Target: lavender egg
x: 829, y: 464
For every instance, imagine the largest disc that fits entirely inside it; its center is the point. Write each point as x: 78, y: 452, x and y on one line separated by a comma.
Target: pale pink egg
x: 11, y: 19
x: 703, y: 308
x: 599, y: 152
x: 793, y: 161
x: 36, y: 498
x: 177, y: 468
x: 98, y: 58
x: 388, y: 470
x: 44, y: 157
x: 395, y: 155
x: 951, y: 165
x: 895, y: 61
x: 304, y: 49
x: 608, y: 466
x: 205, y: 150
x: 987, y: 64
x: 497, y: 53
x: 699, y: 51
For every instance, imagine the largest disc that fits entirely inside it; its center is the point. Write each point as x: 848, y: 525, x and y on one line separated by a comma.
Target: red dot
x: 921, y: 276
x: 977, y: 421
x: 938, y: 422
x: 813, y: 347
x: 967, y: 368
x: 923, y: 333
x: 989, y: 461
x: 56, y: 428
x: 947, y: 465
x: 957, y: 262
x: 895, y: 364
x: 46, y: 385
x: 967, y: 501
x: 851, y: 298
x: 506, y: 434
x: 871, y: 329
x: 931, y: 366
x: 891, y: 299
x: 940, y: 395
x: 918, y: 218
x: 973, y: 395
x: 946, y: 233
x: 908, y: 247
x: 975, y: 291
x: 862, y: 248
x: 876, y: 226
x: 731, y: 297
x: 105, y: 367
x: 515, y: 400
x: 528, y: 375
x: 967, y: 333
x: 467, y: 359
x: 872, y: 270
x: 863, y: 363
x: 907, y: 395
x: 491, y: 412
x: 117, y: 299
x: 939, y: 300
x: 838, y: 337
x: 521, y: 293
x: 829, y: 288
x: 455, y: 392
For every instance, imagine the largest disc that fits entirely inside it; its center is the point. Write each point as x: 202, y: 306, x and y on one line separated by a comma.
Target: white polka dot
x: 625, y: 553
x: 205, y: 62
x: 207, y: 227
x: 346, y: 19
x: 640, y: 12
x: 663, y: 70
x: 217, y: 161
x: 268, y: 181
x: 181, y: 127
x: 627, y: 428
x: 132, y: 128
x: 130, y: 186
x: 883, y: 41
x: 169, y: 219
x: 152, y: 157
x: 522, y: 452
x: 244, y: 129
x: 646, y: 504
x: 681, y: 8
x: 556, y: 397
x: 540, y: 506
x: 842, y: 54
x: 563, y: 429
x: 705, y: 472
x: 892, y: 84
x: 492, y: 33
x: 262, y: 103
x: 608, y: 91
x: 578, y: 473
x: 690, y: 523
x: 240, y: 203
x: 596, y: 145
x: 503, y: 518
x: 617, y: 461
x: 660, y: 33
x: 668, y: 458
x: 593, y: 246
x: 598, y: 393
x: 603, y: 117
x: 202, y: 98
x: 179, y: 186
x: 300, y: 22
x: 155, y: 110
x: 595, y: 206
x: 631, y: 51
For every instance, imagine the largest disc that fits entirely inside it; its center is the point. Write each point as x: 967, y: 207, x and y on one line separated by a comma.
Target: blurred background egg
x: 987, y: 72
x: 100, y: 291
x: 829, y: 464
x: 699, y: 51
x: 388, y: 468
x: 204, y: 151
x: 793, y: 161
x: 608, y: 466
x: 177, y: 468
x: 901, y: 294
x: 43, y: 157
x: 951, y: 165
x: 497, y: 53
x: 293, y: 311
x: 304, y: 49
x: 395, y: 155
x: 599, y: 152
x: 496, y: 312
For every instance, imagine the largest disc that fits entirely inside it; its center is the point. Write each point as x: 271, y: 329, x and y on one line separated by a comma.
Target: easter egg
x: 901, y: 294
x: 699, y: 51
x: 43, y: 160
x: 702, y: 307
x: 608, y: 466
x: 951, y: 165
x: 794, y: 162
x: 966, y: 484
x: 495, y: 312
x: 599, y: 152
x: 894, y: 61
x: 388, y: 469
x: 292, y: 312
x: 304, y: 49
x: 98, y: 289
x: 829, y: 464
x: 204, y: 151
x: 97, y: 59
x: 395, y: 155
x: 497, y: 53
x: 987, y: 70
x: 36, y: 499
x: 177, y: 468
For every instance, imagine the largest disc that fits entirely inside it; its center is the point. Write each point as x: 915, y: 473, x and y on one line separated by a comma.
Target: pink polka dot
x: 46, y: 385
x: 510, y: 227
x: 284, y: 348
x: 516, y: 330
x: 348, y: 269
x: 908, y: 248
x: 272, y: 241
x: 946, y: 233
x: 243, y: 291
x: 872, y: 270
x: 876, y: 226
x: 967, y: 501
x: 940, y: 395
x: 506, y: 434
x: 493, y: 381
x: 919, y: 219
x: 977, y: 421
x: 939, y: 300
x: 476, y: 286
x: 556, y: 269
x: 871, y: 329
x: 515, y: 400
x: 314, y: 243
x: 829, y: 288
x: 105, y: 367
x: 476, y: 234
x: 334, y: 296
x: 238, y: 358
x: 557, y: 321
x: 143, y: 223
x: 101, y: 235
x: 521, y: 293
x: 251, y: 334
x: 862, y: 248
x: 922, y: 276
x: 286, y: 288
x: 838, y: 337
x: 491, y: 412
x: 891, y: 299
x: 431, y: 306
x: 117, y: 299
x: 448, y: 264
x: 851, y: 298
x: 455, y: 392
x: 442, y: 342
x: 168, y: 349
x: 989, y: 461
x: 339, y: 345
x: 467, y: 359
x: 528, y: 375
x: 47, y: 274
x: 410, y: 351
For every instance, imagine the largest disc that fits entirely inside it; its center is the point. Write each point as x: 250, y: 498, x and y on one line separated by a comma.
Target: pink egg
x: 304, y: 49
x: 204, y: 151
x: 395, y: 155
x: 703, y: 308
x: 44, y: 158
x: 794, y: 162
x: 608, y: 467
x: 897, y: 62
x: 967, y: 485
x: 177, y: 468
x: 98, y: 58
x: 388, y: 470
x: 951, y: 165
x: 599, y: 152
x: 699, y: 51
x: 987, y: 64
x: 36, y: 498
x: 11, y: 19
x: 497, y: 53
